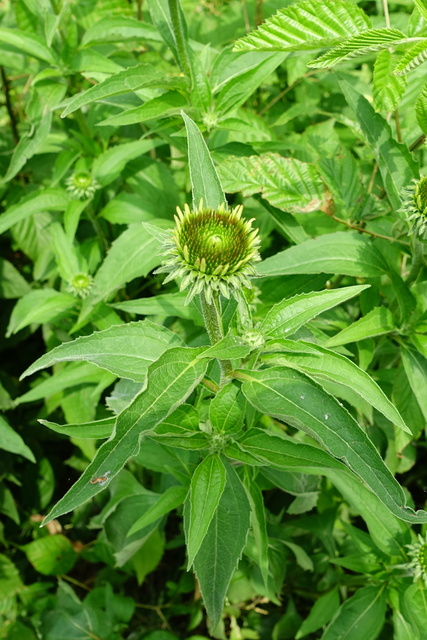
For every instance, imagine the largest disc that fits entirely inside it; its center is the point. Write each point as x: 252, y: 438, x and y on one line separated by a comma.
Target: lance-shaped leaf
x: 169, y: 500
x: 324, y: 364
x: 361, y: 616
x: 344, y: 253
x: 207, y: 487
x: 126, y: 350
x: 205, y: 182
x: 296, y: 399
x: 412, y: 58
x: 288, y: 316
x: 376, y: 323
x: 170, y: 381
x: 96, y: 429
x: 223, y: 544
x: 307, y: 26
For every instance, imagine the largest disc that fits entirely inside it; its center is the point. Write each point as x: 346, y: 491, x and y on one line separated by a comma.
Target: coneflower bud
x: 81, y: 185
x: 211, y: 250
x: 415, y: 206
x: 81, y: 285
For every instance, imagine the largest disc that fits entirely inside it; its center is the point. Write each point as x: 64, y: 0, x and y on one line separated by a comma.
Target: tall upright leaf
x: 205, y: 182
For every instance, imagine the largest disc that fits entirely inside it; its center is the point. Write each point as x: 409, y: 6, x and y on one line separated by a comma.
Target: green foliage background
x: 316, y: 122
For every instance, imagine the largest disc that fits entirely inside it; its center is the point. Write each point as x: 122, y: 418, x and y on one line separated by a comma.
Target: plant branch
x: 9, y: 107
x: 363, y: 230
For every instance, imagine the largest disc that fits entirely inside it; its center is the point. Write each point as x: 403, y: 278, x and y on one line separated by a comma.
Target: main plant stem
x: 213, y: 324
x: 417, y: 261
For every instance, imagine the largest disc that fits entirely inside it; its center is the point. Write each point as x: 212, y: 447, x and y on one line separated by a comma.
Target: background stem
x: 417, y: 261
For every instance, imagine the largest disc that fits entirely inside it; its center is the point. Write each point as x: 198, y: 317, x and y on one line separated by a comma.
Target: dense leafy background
x: 317, y: 131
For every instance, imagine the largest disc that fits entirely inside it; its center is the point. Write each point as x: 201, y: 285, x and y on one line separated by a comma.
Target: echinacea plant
x: 81, y: 185
x: 250, y: 408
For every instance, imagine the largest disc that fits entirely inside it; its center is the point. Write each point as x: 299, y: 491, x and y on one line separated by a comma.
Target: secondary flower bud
x: 81, y: 185
x: 415, y: 206
x: 212, y: 250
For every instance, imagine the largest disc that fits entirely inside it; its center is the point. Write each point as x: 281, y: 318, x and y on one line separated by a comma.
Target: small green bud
x: 81, y: 185
x: 415, y: 206
x: 81, y: 285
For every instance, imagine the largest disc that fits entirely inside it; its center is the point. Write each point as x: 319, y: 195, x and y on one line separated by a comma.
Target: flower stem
x: 417, y: 261
x: 213, y: 323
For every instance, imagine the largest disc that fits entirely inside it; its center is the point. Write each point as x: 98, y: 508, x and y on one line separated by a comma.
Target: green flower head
x: 81, y: 285
x: 211, y: 250
x: 81, y: 185
x: 418, y: 555
x: 415, y: 206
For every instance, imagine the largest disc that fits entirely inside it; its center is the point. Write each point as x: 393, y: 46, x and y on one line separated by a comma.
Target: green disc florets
x: 415, y: 206
x: 212, y: 250
x: 81, y: 285
x: 82, y: 185
x: 418, y: 554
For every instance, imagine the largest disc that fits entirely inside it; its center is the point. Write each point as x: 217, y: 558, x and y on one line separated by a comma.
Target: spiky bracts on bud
x: 81, y: 185
x: 415, y: 206
x: 81, y: 285
x: 418, y: 554
x: 212, y: 250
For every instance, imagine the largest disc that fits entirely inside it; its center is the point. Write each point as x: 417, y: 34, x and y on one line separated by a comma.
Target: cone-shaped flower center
x: 211, y: 250
x: 214, y: 241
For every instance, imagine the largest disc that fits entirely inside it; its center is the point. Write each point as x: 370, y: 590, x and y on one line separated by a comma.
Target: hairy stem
x: 213, y: 324
x: 178, y: 30
x: 417, y: 261
x: 9, y: 107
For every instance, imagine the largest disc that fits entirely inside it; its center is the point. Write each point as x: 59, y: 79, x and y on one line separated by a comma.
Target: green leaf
x: 320, y: 614
x: 259, y: 524
x: 126, y: 81
x: 395, y: 162
x: 376, y: 323
x: 421, y: 110
x: 168, y: 104
x: 340, y: 253
x: 44, y: 200
x: 294, y: 398
x: 415, y: 366
x: 11, y: 441
x: 28, y: 146
x: 207, y: 486
x: 227, y: 348
x: 415, y: 606
x: 361, y: 616
x: 387, y: 89
x: 28, y: 43
x: 241, y: 86
x: 110, y: 164
x: 165, y: 305
x: 422, y: 7
x: 323, y: 364
x: 118, y: 29
x: 223, y: 544
x: 126, y: 350
x: 307, y: 26
x: 169, y: 500
x: 205, y: 182
x: 412, y: 58
x: 51, y: 555
x: 160, y: 16
x: 285, y: 222
x: 66, y: 257
x: 286, y: 183
x: 97, y: 429
x: 12, y: 284
x: 39, y: 306
x: 265, y: 448
x: 133, y: 254
x: 360, y: 45
x: 75, y: 374
x: 227, y: 409
x: 288, y: 316
x: 388, y: 532
x: 170, y: 381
